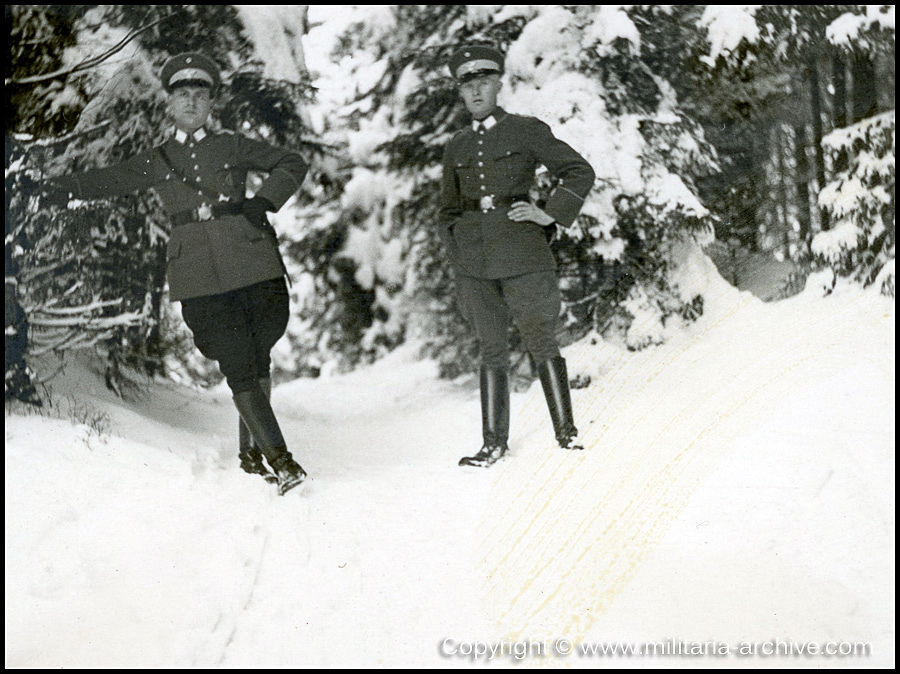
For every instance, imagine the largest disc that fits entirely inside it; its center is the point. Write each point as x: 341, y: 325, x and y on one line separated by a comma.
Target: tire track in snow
x: 568, y: 532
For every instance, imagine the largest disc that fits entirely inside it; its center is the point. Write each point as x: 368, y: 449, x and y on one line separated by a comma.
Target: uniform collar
x: 491, y: 120
x: 182, y: 137
x: 488, y: 122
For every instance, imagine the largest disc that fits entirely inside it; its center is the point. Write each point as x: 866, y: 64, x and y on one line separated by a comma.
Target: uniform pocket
x: 514, y: 155
x: 514, y: 167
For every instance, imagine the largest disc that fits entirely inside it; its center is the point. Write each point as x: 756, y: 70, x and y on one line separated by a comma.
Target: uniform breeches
x: 239, y: 328
x: 532, y: 301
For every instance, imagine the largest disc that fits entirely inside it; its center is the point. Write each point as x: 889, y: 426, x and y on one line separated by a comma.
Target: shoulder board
x: 521, y: 118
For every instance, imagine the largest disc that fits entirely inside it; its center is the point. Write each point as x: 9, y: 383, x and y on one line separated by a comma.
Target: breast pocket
x: 230, y: 180
x: 514, y: 167
x: 465, y: 175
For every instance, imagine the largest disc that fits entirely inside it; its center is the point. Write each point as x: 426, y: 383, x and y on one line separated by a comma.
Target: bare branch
x: 89, y: 63
x: 69, y: 136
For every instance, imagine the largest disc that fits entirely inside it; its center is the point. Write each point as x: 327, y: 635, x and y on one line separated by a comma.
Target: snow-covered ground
x: 738, y: 486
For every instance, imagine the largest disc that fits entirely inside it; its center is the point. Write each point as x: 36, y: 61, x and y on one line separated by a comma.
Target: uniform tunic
x: 225, y: 271
x: 211, y: 256
x: 505, y: 269
x: 501, y: 163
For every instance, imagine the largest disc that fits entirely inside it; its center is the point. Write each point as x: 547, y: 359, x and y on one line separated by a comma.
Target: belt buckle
x: 487, y: 203
x: 204, y: 212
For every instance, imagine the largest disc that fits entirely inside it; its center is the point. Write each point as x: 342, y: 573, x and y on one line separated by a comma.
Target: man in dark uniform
x: 497, y: 241
x: 223, y: 262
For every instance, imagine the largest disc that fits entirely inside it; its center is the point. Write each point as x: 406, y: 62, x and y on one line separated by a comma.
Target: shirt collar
x: 182, y: 137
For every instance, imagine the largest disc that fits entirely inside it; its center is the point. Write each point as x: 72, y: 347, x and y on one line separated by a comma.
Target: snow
x: 831, y: 244
x: 339, y: 78
x: 846, y: 28
x: 276, y: 32
x: 862, y: 131
x: 728, y: 26
x: 885, y: 279
x: 543, y: 41
x: 670, y: 192
x: 477, y: 15
x: 610, y: 24
x: 362, y: 144
x: 738, y: 485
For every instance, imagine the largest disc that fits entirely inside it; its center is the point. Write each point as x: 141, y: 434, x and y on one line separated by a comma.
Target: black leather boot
x: 288, y: 473
x: 555, y: 382
x: 250, y: 457
x: 494, y: 417
x: 257, y: 413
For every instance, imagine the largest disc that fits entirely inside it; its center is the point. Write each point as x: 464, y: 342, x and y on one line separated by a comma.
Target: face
x: 480, y: 94
x: 189, y: 107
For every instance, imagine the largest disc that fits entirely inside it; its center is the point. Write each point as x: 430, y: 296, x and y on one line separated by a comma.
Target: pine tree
x: 778, y: 79
x: 583, y: 70
x: 860, y: 196
x: 94, y: 274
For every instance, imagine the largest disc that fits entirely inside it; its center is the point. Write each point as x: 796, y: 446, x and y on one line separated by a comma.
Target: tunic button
x: 483, y: 187
x: 481, y: 163
x: 193, y: 155
x: 480, y: 154
x: 481, y: 142
x: 196, y: 166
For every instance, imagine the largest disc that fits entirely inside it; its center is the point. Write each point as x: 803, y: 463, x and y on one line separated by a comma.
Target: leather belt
x: 491, y: 201
x: 207, y: 212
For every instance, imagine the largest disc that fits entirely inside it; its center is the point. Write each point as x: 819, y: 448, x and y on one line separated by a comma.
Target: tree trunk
x: 802, y: 182
x: 782, y: 149
x: 17, y: 378
x: 865, y: 102
x: 839, y: 77
x: 884, y: 81
x: 815, y: 102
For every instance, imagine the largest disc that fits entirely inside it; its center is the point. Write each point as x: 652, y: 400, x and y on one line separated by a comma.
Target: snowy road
x: 738, y: 485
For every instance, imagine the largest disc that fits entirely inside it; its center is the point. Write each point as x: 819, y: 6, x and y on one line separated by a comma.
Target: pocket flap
x: 509, y: 154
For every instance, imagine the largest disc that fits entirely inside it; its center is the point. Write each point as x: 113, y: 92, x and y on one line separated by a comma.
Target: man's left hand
x: 524, y: 211
x: 255, y: 211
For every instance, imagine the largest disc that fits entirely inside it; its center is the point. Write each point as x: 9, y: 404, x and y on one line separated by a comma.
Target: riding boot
x: 250, y: 457
x: 257, y: 414
x: 494, y: 417
x: 555, y: 382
